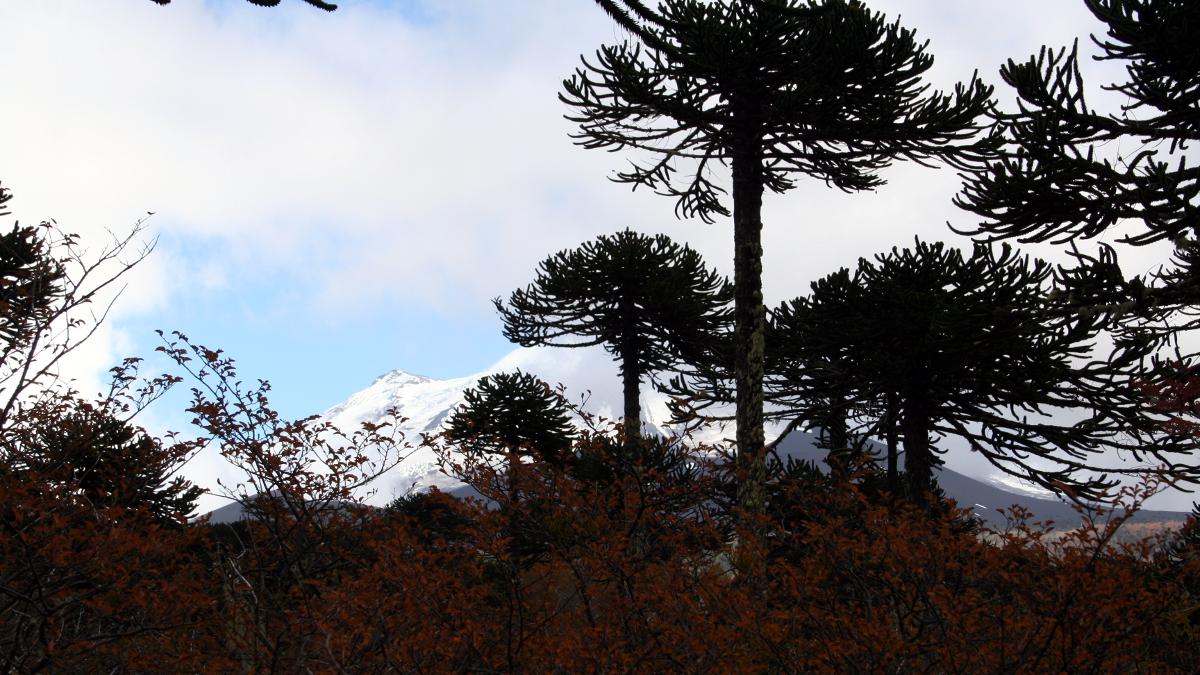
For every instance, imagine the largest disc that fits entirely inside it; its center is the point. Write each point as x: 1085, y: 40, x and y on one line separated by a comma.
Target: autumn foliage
x: 600, y: 563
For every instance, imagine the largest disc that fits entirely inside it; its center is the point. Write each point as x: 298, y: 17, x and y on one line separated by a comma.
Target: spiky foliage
x: 512, y: 412
x: 648, y: 300
x: 1070, y: 171
x: 771, y: 89
x: 112, y: 464
x: 327, y: 6
x: 923, y: 343
x: 30, y: 280
x: 808, y: 342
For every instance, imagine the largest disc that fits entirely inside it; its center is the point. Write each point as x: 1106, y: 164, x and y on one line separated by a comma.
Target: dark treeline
x: 327, y: 6
x: 596, y: 546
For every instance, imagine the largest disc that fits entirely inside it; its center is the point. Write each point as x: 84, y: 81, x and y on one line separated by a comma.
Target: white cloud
x: 426, y: 161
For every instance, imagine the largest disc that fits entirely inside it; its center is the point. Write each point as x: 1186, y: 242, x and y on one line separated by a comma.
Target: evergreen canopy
x: 829, y: 90
x: 513, y: 412
x: 111, y: 462
x: 923, y: 343
x: 1068, y: 171
x: 1053, y: 182
x: 769, y: 88
x: 30, y: 280
x: 648, y: 300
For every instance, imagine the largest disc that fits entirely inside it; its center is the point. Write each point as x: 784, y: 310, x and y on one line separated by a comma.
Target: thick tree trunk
x: 631, y: 381
x: 918, y: 456
x: 836, y: 438
x: 892, y: 412
x: 749, y: 319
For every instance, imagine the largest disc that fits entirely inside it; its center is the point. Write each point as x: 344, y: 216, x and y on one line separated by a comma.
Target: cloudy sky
x: 338, y: 195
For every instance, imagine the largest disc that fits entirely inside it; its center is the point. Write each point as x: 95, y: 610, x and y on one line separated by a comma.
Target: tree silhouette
x: 1058, y: 179
x: 53, y: 296
x: 327, y: 6
x: 770, y: 88
x: 112, y: 463
x: 811, y: 347
x: 30, y: 280
x: 648, y: 300
x: 929, y: 343
x: 512, y: 412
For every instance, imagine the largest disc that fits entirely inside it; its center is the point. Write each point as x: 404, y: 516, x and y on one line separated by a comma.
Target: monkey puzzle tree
x: 927, y: 343
x: 769, y: 88
x: 513, y: 412
x: 112, y: 463
x: 1062, y: 178
x: 810, y: 347
x: 30, y: 279
x: 648, y: 300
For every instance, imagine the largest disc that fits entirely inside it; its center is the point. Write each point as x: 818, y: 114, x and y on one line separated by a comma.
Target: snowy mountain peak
x: 589, y: 376
x: 400, y: 378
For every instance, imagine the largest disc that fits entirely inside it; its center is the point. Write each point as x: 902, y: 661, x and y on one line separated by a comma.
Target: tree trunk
x: 918, y: 457
x: 749, y: 318
x: 836, y: 433
x: 631, y: 381
x: 892, y: 412
x: 836, y: 438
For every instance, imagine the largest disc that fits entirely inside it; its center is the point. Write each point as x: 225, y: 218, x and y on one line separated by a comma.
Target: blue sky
x: 338, y: 195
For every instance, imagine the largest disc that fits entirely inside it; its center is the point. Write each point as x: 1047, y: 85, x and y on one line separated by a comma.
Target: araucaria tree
x: 1069, y: 171
x: 513, y: 412
x: 648, y: 300
x: 924, y: 343
x: 112, y: 463
x: 771, y: 89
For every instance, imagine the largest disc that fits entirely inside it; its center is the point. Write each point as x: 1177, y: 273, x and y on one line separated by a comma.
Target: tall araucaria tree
x: 771, y: 89
x: 648, y: 300
x: 930, y: 343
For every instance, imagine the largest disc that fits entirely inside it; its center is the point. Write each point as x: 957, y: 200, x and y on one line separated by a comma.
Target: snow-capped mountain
x: 589, y: 376
x: 591, y: 380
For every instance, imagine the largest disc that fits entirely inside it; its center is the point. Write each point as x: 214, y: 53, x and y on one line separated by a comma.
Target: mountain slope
x: 982, y: 498
x: 591, y: 380
x: 426, y: 403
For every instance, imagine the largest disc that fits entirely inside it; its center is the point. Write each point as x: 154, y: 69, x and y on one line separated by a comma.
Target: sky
x: 336, y: 195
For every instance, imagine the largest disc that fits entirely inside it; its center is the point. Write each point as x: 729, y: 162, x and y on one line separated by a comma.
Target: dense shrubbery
x: 640, y: 570
x: 604, y: 560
